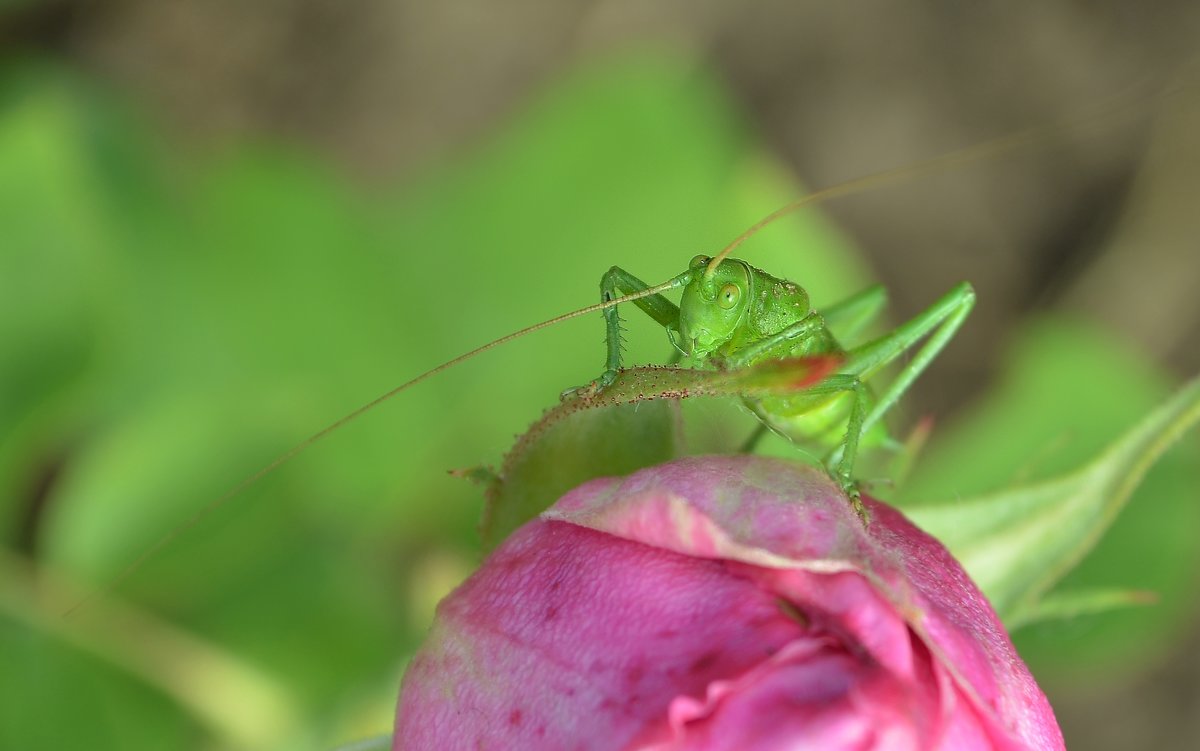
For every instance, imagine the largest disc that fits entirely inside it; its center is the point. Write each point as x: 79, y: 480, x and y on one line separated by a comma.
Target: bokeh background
x: 224, y: 225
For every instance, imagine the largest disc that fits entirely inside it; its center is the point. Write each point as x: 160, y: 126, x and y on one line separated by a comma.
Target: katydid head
x: 713, y: 304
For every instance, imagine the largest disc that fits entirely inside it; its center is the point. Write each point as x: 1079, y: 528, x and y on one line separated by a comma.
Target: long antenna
x: 283, y: 458
x: 976, y: 153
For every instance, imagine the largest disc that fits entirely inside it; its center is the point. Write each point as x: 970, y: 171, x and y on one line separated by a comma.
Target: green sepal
x: 570, y: 450
x: 1075, y: 603
x: 631, y: 424
x: 1018, y: 543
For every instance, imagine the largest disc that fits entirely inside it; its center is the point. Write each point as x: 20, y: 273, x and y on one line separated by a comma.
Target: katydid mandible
x: 734, y: 315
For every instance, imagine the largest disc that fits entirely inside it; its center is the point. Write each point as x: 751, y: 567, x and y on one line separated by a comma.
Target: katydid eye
x: 698, y: 261
x: 729, y: 296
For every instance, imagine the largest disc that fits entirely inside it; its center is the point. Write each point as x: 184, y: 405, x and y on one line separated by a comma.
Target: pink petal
x: 719, y: 602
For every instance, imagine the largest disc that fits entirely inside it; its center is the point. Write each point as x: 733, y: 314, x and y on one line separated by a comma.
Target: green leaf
x: 250, y: 708
x: 171, y: 323
x: 1018, y: 543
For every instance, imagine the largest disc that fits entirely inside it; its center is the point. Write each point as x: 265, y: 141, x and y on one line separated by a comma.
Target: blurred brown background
x: 1100, y: 220
x: 838, y: 89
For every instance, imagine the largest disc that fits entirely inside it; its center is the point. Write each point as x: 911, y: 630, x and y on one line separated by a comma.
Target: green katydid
x: 734, y: 315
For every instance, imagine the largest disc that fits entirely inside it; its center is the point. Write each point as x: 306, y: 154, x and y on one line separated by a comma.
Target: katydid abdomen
x: 816, y: 421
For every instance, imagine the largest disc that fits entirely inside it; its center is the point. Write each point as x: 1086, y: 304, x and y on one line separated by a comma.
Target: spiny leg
x: 805, y: 334
x: 841, y: 463
x: 616, y: 283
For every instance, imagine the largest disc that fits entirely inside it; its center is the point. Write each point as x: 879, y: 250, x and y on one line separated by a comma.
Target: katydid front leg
x: 722, y: 316
x: 618, y: 282
x: 783, y: 343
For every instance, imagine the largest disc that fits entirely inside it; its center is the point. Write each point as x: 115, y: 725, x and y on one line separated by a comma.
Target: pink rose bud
x: 719, y: 603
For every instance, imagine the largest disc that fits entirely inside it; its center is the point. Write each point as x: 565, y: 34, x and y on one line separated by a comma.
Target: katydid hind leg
x: 849, y: 317
x: 939, y: 322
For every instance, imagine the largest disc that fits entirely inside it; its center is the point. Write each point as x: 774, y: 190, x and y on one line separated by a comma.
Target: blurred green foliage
x: 172, y: 319
x: 1069, y: 390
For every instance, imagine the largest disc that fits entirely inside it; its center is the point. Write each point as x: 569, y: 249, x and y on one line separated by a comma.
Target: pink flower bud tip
x: 727, y: 602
